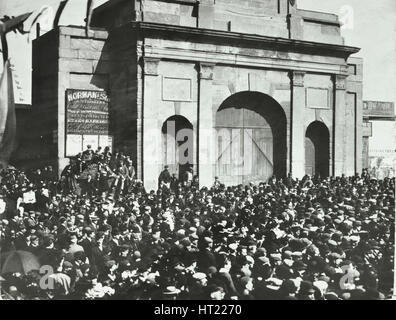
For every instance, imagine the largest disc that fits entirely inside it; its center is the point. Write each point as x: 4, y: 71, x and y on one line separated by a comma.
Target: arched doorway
x: 317, y: 149
x: 251, y: 139
x: 177, y: 144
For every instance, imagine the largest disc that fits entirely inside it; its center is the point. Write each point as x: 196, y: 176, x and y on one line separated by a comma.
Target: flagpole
x: 4, y: 47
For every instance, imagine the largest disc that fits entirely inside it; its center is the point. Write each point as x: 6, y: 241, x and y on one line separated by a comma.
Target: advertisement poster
x: 87, y: 120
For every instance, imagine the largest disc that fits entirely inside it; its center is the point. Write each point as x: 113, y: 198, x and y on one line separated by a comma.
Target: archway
x: 177, y: 144
x: 251, y: 139
x: 317, y: 149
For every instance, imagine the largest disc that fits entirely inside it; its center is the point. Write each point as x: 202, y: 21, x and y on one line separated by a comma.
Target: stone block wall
x: 275, y: 18
x: 170, y: 89
x: 320, y: 27
x: 64, y: 59
x: 179, y: 13
x: 84, y: 63
x: 251, y: 16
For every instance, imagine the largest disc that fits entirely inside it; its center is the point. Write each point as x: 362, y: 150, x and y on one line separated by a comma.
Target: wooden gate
x: 244, y: 146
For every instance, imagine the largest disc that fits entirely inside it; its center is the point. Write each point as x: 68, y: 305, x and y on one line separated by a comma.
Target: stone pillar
x: 359, y: 132
x: 152, y: 150
x: 206, y: 159
x: 339, y: 149
x: 297, y: 124
x: 139, y: 109
x: 63, y: 85
x: 350, y: 133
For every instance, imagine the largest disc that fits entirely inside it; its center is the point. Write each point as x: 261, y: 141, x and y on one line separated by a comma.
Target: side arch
x: 177, y: 144
x: 317, y: 149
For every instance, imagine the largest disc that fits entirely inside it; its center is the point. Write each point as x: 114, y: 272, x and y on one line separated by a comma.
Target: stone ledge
x: 77, y: 31
x: 319, y: 17
x: 282, y: 44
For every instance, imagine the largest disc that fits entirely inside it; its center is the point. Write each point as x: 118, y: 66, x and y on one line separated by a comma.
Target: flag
x: 7, y: 116
x: 90, y: 5
x: 8, y: 24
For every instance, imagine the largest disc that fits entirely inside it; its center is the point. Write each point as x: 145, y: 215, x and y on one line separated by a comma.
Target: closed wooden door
x: 244, y: 146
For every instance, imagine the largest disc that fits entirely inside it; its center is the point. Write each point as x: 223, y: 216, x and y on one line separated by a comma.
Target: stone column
x: 139, y: 109
x: 350, y: 133
x: 359, y: 132
x: 339, y: 149
x: 63, y: 85
x: 152, y: 150
x: 297, y: 124
x: 206, y: 159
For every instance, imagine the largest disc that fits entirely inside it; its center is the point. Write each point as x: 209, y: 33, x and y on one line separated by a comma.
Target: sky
x: 372, y: 28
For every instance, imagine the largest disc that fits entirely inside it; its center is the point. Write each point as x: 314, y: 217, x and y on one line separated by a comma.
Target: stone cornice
x: 219, y: 36
x: 188, y: 2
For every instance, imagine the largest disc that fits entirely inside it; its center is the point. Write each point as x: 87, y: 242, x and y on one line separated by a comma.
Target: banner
x: 87, y: 112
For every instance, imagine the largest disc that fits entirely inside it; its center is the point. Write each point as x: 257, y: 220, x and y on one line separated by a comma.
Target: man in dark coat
x: 164, y: 178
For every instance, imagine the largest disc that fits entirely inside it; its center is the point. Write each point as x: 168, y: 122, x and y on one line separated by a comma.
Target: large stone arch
x: 251, y: 140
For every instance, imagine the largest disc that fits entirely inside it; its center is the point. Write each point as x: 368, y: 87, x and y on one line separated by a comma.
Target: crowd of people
x: 98, y: 234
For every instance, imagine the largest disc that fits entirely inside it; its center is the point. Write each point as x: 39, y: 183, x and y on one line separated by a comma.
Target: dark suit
x: 206, y: 259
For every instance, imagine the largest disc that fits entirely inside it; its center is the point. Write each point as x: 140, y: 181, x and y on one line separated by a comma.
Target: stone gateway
x: 237, y: 89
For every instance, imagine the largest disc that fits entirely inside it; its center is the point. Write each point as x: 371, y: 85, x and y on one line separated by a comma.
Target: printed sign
x: 87, y: 120
x: 378, y: 108
x: 87, y: 112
